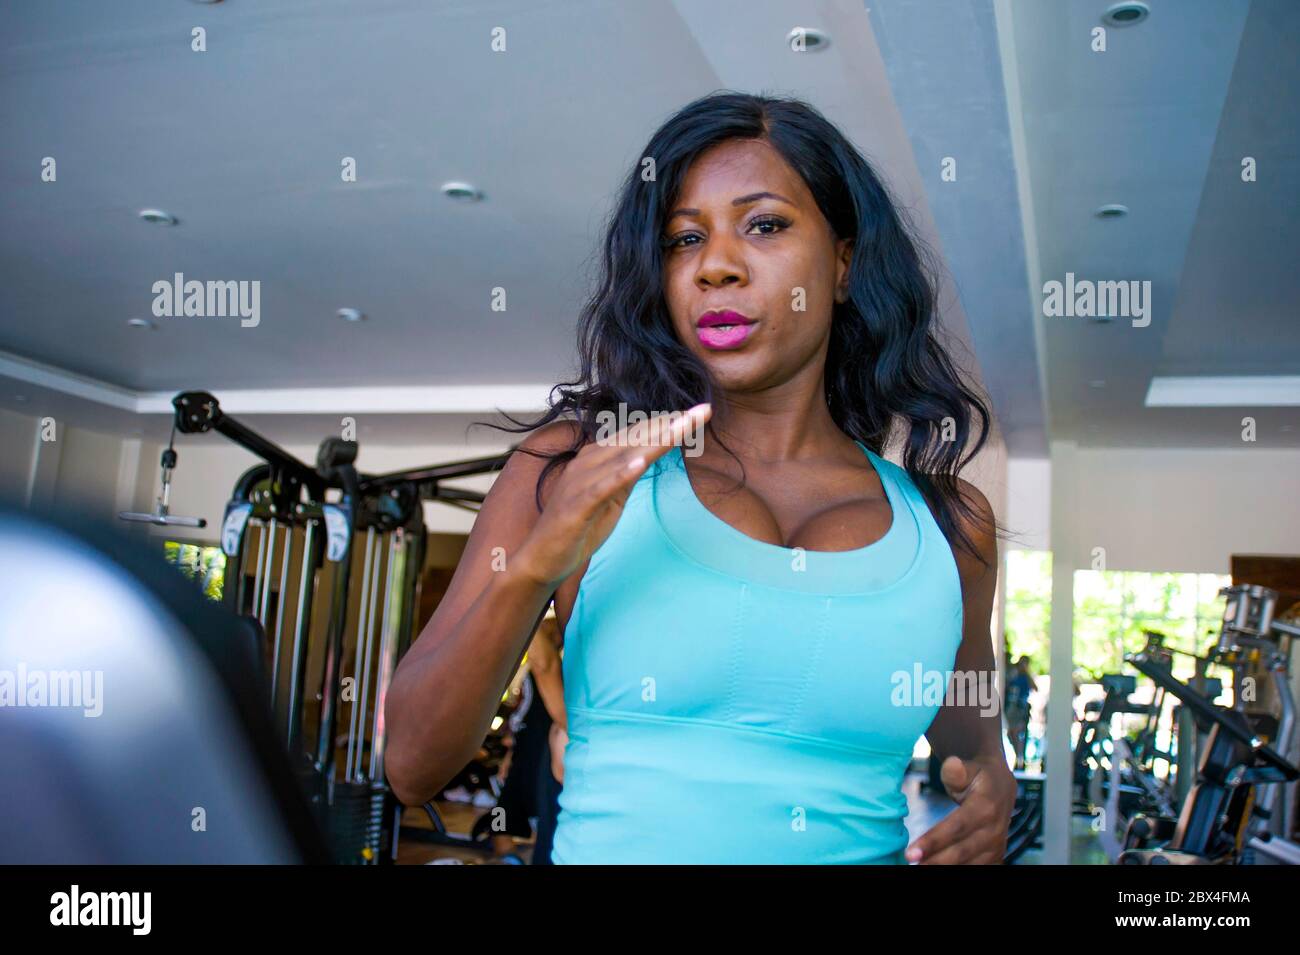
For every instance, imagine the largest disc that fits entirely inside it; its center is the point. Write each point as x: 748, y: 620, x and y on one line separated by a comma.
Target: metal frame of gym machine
x: 1242, y: 800
x: 378, y: 517
x: 1114, y: 779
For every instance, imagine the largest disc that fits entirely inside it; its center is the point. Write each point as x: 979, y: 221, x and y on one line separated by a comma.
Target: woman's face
x: 747, y: 238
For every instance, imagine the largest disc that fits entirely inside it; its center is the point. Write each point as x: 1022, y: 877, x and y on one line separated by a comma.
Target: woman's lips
x: 723, y: 328
x: 724, y: 336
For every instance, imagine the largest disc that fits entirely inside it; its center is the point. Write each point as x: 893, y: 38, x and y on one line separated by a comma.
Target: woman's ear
x: 844, y: 257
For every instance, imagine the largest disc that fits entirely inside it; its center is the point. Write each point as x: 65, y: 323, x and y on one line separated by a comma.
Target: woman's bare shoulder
x: 559, y: 435
x: 532, y: 454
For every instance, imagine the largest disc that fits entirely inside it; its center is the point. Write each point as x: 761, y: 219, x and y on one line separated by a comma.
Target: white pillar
x: 1058, y: 798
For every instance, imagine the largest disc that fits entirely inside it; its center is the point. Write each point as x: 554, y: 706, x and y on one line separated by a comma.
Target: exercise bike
x: 1228, y: 815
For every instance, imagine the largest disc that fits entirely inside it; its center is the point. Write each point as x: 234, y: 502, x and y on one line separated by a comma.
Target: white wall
x: 17, y: 437
x: 1029, y: 502
x: 1163, y: 509
x: 88, y: 469
x: 1184, y: 510
x: 77, y: 468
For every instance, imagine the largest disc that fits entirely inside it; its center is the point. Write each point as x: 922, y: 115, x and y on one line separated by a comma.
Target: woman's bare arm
x: 966, y: 734
x: 447, y: 687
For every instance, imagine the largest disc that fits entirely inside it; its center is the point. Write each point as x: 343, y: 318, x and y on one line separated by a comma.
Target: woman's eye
x: 678, y: 241
x: 776, y: 223
x: 773, y: 225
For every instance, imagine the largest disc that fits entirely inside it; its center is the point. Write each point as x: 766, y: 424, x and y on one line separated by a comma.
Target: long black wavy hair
x: 885, y: 368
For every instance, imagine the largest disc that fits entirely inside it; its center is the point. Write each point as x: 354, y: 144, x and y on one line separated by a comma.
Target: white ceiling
x: 243, y: 143
x: 1160, y: 123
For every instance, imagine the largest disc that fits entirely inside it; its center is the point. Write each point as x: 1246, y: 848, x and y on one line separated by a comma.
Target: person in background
x: 530, y: 794
x: 1019, y: 685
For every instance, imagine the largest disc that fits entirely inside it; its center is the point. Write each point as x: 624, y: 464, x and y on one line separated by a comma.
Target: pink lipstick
x: 723, y: 329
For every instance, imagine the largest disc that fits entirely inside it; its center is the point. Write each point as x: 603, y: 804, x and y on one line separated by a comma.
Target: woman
x: 736, y: 629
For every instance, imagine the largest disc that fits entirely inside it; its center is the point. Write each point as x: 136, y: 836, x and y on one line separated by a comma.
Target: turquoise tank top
x: 735, y: 701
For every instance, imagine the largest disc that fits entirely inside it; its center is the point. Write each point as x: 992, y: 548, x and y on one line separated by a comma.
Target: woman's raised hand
x: 587, y: 499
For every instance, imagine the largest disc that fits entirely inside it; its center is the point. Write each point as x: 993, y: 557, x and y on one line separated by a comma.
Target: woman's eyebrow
x: 738, y: 201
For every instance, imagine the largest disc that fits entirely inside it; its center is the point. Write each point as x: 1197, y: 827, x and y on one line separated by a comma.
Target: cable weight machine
x: 324, y: 563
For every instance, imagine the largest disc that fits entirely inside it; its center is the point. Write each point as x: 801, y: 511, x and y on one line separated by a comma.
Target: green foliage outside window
x: 1028, y: 587
x: 1111, y: 609
x: 206, y: 566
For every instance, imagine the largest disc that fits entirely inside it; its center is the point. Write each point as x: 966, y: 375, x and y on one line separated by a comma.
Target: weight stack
x: 356, y: 818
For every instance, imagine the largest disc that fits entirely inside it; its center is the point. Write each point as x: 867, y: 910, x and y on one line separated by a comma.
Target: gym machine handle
x: 334, y: 452
x: 1209, y: 711
x: 198, y: 412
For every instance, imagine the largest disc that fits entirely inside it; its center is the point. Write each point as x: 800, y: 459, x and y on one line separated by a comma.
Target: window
x: 1028, y: 587
x: 206, y: 566
x: 1112, y: 608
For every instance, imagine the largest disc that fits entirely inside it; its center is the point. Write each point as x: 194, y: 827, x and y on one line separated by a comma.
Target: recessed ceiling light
x: 1125, y: 14
x: 351, y: 315
x: 158, y: 217
x: 813, y: 40
x: 1113, y: 210
x: 461, y: 191
x: 140, y: 323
